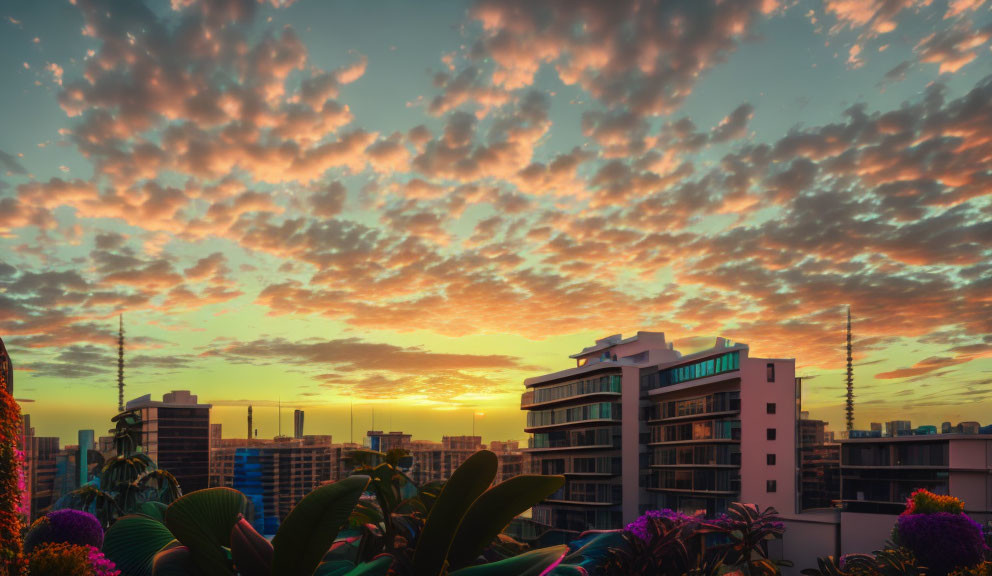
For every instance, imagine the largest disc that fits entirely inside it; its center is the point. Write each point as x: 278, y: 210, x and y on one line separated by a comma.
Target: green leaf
x: 466, y: 484
x: 202, y: 521
x: 376, y: 567
x: 494, y: 509
x: 154, y: 510
x: 533, y: 563
x: 311, y: 527
x: 251, y: 552
x: 334, y: 568
x: 132, y: 543
x: 176, y: 561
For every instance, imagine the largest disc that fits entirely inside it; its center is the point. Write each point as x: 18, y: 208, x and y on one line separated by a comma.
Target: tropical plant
x: 749, y: 531
x: 64, y: 526
x: 11, y: 557
x: 63, y: 559
x: 450, y: 531
x: 656, y: 545
x: 125, y: 484
x: 890, y: 561
x: 981, y: 569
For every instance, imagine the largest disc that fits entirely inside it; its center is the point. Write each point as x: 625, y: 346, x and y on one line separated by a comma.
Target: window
x: 771, y: 486
x: 770, y: 433
x: 770, y: 372
x: 770, y: 459
x: 770, y: 408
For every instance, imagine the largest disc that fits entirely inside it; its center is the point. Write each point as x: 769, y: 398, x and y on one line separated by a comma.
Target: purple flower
x: 640, y: 529
x: 69, y: 526
x: 942, y: 541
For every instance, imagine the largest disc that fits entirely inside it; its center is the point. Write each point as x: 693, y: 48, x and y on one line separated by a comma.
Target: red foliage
x: 11, y: 557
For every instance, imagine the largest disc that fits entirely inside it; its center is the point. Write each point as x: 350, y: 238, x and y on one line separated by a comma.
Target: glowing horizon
x: 418, y: 206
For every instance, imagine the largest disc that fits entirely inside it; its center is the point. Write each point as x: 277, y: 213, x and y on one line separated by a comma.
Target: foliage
x: 132, y: 542
x: 923, y: 501
x: 63, y: 559
x: 981, y: 569
x: 942, y: 541
x: 667, y: 542
x: 11, y: 486
x: 125, y: 485
x: 891, y: 561
x: 68, y: 526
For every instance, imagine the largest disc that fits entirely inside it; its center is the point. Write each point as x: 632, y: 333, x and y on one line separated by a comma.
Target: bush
x: 926, y: 502
x: 62, y: 559
x: 942, y: 541
x: 65, y: 526
x: 983, y: 569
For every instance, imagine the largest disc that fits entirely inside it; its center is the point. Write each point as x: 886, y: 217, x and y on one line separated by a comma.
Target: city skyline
x: 413, y: 208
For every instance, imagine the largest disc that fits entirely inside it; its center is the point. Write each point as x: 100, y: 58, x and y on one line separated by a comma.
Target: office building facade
x: 173, y: 432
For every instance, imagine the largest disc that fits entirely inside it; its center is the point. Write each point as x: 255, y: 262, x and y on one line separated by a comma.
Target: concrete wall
x: 756, y: 393
x: 865, y: 532
x: 630, y: 442
x: 808, y: 537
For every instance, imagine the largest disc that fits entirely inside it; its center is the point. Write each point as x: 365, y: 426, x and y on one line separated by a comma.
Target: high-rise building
x: 819, y: 466
x: 44, y: 453
x: 86, y: 445
x: 173, y: 432
x: 638, y: 425
x: 298, y: 423
x: 386, y: 441
x: 6, y: 370
x: 898, y: 428
x: 275, y: 476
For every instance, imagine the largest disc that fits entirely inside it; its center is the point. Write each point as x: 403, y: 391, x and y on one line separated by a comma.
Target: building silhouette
x: 298, y: 423
x: 173, y: 432
x: 6, y: 369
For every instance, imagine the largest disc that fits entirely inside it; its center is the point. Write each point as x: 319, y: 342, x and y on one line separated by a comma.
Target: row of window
x: 698, y: 480
x: 600, y: 436
x: 706, y: 455
x: 923, y: 454
x: 586, y: 491
x: 595, y: 411
x: 718, y: 402
x: 580, y: 465
x: 609, y: 383
x: 723, y: 363
x: 701, y: 430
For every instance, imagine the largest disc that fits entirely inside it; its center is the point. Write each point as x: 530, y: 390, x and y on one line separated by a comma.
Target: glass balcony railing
x: 608, y: 384
x: 585, y: 412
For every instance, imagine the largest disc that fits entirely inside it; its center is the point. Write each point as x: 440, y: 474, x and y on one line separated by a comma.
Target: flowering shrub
x: 942, y: 541
x: 60, y: 559
x: 68, y: 526
x: 641, y: 526
x: 983, y: 569
x: 926, y: 502
x: 11, y: 484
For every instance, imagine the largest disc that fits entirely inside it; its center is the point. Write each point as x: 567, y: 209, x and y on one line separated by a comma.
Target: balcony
x: 584, y: 414
x: 609, y: 385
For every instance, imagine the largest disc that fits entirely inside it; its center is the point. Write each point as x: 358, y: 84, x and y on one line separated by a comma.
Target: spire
x: 120, y: 366
x: 850, y: 376
x: 249, y: 422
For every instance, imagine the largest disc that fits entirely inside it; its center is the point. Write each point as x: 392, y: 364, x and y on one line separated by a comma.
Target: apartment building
x: 637, y: 425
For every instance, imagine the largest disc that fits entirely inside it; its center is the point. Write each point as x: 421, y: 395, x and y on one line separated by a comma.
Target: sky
x: 401, y: 210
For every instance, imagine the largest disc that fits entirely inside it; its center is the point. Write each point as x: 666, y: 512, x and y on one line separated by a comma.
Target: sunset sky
x: 412, y: 206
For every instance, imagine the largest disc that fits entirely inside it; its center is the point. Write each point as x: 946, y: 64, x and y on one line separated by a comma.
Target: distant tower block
x: 298, y: 424
x: 120, y: 366
x: 850, y: 376
x: 6, y: 370
x: 249, y: 422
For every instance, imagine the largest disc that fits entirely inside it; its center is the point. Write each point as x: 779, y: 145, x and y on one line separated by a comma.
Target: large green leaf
x: 251, y: 552
x: 154, y: 510
x: 132, y: 543
x: 494, y: 509
x: 311, y: 527
x: 466, y: 484
x: 377, y: 567
x: 533, y: 563
x: 176, y: 561
x: 202, y: 521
